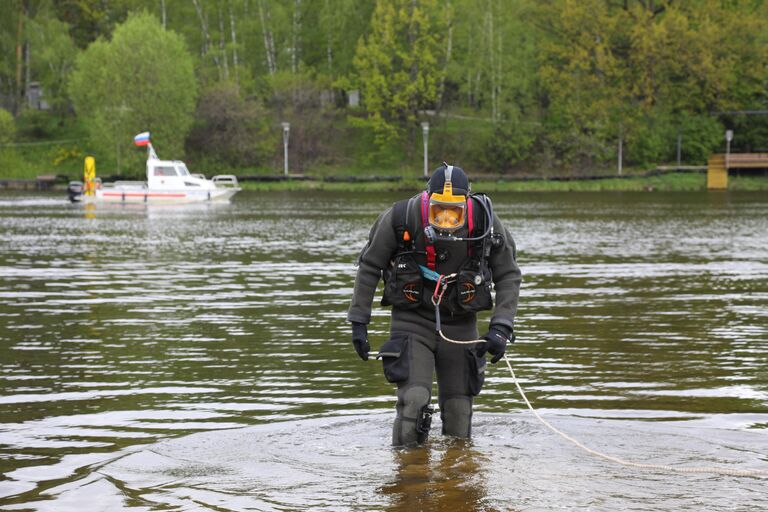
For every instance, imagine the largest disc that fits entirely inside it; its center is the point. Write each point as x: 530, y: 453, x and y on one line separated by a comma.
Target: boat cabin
x: 173, y: 174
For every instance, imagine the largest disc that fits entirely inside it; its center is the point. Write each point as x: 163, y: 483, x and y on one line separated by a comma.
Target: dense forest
x: 507, y: 86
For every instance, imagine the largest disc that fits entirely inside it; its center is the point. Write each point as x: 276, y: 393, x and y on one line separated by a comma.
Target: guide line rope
x: 611, y: 458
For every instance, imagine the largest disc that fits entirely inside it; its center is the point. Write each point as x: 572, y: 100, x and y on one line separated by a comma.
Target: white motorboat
x: 168, y: 181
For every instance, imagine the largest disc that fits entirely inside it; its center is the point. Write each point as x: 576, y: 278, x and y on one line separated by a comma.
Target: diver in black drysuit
x: 415, y: 350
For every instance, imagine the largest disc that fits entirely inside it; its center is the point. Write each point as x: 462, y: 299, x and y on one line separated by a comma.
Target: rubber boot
x: 456, y: 413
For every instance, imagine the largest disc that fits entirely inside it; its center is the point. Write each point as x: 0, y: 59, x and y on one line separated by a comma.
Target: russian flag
x: 141, y: 139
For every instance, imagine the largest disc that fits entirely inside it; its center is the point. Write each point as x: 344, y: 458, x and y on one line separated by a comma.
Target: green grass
x: 32, y: 160
x: 684, y: 181
x: 748, y: 183
x: 665, y: 182
x: 367, y: 186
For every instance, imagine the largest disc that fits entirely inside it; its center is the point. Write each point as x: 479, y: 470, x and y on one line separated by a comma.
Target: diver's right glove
x: 360, y: 340
x: 496, y: 341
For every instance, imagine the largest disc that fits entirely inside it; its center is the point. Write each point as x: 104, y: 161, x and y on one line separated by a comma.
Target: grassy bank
x: 681, y: 181
x: 65, y: 158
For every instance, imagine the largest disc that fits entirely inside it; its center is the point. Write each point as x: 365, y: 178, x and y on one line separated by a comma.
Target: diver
x: 440, y: 254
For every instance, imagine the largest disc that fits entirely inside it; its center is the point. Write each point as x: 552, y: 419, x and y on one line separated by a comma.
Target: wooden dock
x: 719, y: 164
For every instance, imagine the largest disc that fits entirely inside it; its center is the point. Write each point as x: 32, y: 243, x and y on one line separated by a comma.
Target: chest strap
x: 470, y: 223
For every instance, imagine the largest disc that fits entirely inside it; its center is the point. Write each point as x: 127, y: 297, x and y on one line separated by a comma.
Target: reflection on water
x: 644, y: 317
x: 437, y: 479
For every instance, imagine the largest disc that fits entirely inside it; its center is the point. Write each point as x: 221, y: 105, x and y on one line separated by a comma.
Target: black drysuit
x: 460, y: 372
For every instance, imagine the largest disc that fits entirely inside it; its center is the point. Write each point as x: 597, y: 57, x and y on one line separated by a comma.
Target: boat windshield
x: 165, y: 170
x: 183, y: 171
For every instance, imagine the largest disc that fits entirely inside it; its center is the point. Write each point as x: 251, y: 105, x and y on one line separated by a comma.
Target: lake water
x: 197, y: 358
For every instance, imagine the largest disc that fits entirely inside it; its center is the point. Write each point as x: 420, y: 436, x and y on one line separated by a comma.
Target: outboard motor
x: 75, y: 191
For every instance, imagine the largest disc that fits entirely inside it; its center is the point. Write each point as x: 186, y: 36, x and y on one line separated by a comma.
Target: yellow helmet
x: 448, y: 205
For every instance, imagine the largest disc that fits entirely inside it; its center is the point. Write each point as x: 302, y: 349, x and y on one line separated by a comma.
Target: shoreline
x: 668, y: 182
x: 684, y: 181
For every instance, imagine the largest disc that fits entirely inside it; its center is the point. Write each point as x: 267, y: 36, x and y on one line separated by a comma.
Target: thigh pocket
x: 476, y: 373
x: 394, y: 356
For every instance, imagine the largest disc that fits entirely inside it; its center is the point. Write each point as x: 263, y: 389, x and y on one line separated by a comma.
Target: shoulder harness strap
x: 477, y: 219
x: 403, y: 235
x: 431, y: 255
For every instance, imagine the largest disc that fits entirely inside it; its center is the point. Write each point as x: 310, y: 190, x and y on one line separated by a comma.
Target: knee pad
x: 456, y: 414
x: 411, y: 401
x: 411, y: 404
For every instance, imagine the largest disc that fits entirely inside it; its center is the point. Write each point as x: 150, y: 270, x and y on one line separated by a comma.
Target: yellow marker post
x: 717, y: 172
x: 89, y: 176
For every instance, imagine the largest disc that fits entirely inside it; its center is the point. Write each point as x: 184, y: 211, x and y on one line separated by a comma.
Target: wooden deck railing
x: 718, y: 165
x: 747, y: 161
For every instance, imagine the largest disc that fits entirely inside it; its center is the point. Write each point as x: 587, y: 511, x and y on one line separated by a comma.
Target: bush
x: 307, y: 102
x: 36, y: 124
x: 653, y: 140
x: 701, y: 136
x: 510, y: 144
x: 566, y: 144
x: 649, y: 141
x: 7, y: 127
x: 231, y: 130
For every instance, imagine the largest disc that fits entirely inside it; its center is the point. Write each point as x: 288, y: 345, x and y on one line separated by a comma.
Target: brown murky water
x: 197, y: 358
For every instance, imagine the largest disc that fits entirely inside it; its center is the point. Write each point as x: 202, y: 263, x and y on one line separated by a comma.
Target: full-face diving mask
x: 447, y: 212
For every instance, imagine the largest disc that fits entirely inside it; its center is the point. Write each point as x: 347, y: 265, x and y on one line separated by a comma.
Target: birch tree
x: 269, y: 39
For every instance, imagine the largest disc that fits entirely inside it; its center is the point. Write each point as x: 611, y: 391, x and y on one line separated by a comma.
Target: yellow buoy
x: 89, y: 176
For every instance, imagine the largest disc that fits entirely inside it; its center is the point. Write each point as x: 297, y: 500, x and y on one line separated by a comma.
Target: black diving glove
x: 360, y: 340
x: 496, y: 341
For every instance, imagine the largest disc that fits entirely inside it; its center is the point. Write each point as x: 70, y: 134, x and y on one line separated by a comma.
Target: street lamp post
x: 286, y: 133
x: 728, y: 139
x: 425, y: 134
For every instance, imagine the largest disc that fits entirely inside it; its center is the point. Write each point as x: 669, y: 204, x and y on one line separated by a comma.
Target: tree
x: 493, y: 72
x: 233, y: 130
x: 53, y: 58
x: 141, y: 80
x: 399, y: 64
x: 640, y: 70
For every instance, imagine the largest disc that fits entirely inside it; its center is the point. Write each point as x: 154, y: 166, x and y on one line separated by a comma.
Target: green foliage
x: 140, y: 80
x: 701, y: 135
x: 7, y: 127
x: 649, y: 141
x: 307, y: 102
x: 36, y: 124
x: 230, y: 129
x: 689, y: 181
x: 9, y: 158
x: 398, y: 64
x: 54, y: 58
x: 12, y: 165
x: 510, y: 144
x: 641, y: 70
x: 91, y: 19
x: 65, y: 155
x: 515, y: 85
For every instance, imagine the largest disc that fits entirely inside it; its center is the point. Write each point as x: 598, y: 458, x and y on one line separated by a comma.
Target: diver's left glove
x: 496, y: 341
x: 360, y: 340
